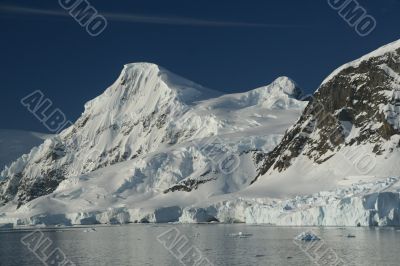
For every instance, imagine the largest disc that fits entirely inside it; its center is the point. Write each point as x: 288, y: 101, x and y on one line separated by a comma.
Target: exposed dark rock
x: 352, y: 98
x: 188, y: 185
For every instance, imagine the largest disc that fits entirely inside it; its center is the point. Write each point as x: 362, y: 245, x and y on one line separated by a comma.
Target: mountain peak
x: 144, y: 65
x: 386, y: 49
x: 152, y: 77
x: 282, y: 93
x: 287, y: 86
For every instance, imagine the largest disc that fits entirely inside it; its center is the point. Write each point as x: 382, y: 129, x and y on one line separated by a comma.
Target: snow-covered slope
x: 15, y: 143
x: 152, y: 134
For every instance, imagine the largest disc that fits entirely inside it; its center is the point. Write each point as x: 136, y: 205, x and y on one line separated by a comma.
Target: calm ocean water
x: 218, y: 244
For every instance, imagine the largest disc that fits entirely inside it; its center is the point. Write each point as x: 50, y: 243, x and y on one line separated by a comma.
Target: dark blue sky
x: 54, y: 54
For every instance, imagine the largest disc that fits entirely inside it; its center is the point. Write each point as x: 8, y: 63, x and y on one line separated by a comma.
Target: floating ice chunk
x: 90, y: 230
x: 307, y: 236
x: 240, y: 235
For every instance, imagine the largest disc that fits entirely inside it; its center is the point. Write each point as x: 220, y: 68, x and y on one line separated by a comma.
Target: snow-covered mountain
x: 15, y: 143
x: 350, y: 128
x: 158, y: 148
x: 152, y: 134
x: 136, y: 115
x: 347, y: 137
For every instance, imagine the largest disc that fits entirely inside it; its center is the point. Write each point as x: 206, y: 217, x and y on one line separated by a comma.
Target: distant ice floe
x: 307, y: 236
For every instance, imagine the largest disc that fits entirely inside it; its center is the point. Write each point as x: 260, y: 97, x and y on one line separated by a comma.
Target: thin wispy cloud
x: 147, y: 19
